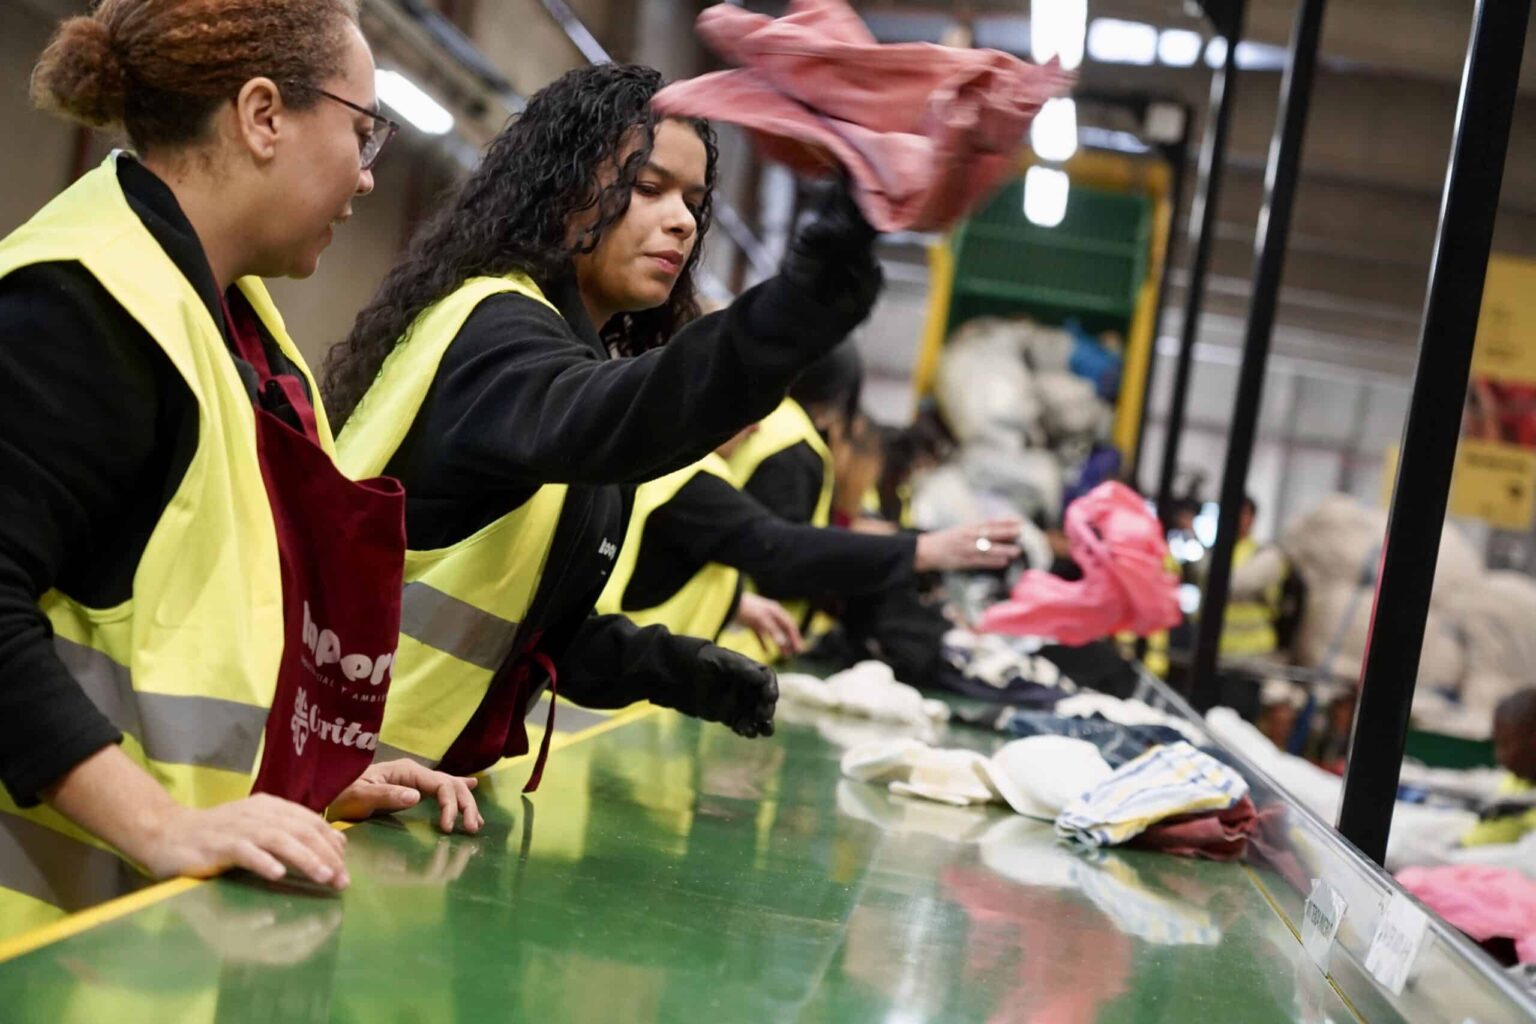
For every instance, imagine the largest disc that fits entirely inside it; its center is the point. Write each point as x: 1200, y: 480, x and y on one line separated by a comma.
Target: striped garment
x: 1165, y: 781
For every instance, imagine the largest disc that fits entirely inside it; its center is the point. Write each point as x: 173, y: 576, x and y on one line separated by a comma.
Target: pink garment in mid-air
x: 925, y: 132
x: 1125, y: 587
x: 1485, y: 902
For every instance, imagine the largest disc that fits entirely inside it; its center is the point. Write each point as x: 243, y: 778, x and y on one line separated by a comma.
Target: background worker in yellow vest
x: 1258, y: 576
x: 536, y: 353
x: 694, y: 535
x: 148, y: 614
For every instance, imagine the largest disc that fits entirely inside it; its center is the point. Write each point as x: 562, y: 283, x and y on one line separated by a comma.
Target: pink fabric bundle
x: 1485, y: 902
x: 925, y: 132
x: 1125, y: 586
x: 1210, y: 835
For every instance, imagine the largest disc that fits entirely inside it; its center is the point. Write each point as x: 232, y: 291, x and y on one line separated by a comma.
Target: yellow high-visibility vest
x: 1249, y: 627
x: 702, y: 605
x: 461, y: 604
x: 785, y: 427
x: 187, y: 666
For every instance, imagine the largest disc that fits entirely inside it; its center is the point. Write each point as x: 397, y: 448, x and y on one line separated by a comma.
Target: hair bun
x: 79, y: 75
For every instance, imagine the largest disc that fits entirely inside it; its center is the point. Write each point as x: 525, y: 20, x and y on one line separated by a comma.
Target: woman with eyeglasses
x: 197, y: 610
x: 537, y: 353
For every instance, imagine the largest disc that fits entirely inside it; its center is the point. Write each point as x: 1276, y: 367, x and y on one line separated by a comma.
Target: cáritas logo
x: 306, y: 720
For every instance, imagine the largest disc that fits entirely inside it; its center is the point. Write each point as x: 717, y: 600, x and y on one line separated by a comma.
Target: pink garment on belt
x: 1486, y: 903
x: 1211, y: 835
x: 925, y: 132
x: 1125, y: 585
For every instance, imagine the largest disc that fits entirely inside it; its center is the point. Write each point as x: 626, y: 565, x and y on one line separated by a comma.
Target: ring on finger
x: 983, y: 545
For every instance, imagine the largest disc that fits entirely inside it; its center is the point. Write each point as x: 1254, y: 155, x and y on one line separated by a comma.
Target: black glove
x: 832, y: 256
x: 729, y: 688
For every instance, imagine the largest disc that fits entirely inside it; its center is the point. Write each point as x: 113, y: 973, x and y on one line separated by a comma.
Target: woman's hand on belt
x: 263, y: 834
x: 395, y: 785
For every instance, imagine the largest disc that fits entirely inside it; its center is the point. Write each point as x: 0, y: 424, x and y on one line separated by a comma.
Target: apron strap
x: 537, y: 776
x: 276, y: 389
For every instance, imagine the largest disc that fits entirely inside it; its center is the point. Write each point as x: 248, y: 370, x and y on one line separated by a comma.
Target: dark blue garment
x: 1118, y: 743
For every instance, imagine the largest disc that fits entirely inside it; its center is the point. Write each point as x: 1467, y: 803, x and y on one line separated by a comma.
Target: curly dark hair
x: 513, y: 215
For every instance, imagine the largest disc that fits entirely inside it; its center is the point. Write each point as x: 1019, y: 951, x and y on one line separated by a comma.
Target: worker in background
x: 195, y: 605
x: 694, y: 535
x: 1253, y: 605
x: 1513, y: 812
x: 536, y: 353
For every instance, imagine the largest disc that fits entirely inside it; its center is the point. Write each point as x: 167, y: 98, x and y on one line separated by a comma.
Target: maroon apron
x: 341, y: 547
x: 498, y: 727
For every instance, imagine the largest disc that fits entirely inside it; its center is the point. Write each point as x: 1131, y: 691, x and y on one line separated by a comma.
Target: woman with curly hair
x: 190, y: 591
x: 538, y: 352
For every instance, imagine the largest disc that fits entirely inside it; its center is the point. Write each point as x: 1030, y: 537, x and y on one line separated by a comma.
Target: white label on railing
x: 1395, y: 947
x: 1320, y: 920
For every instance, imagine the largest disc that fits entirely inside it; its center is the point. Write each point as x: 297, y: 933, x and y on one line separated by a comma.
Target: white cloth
x: 1039, y: 775
x: 1124, y: 712
x: 868, y: 690
x: 1036, y: 776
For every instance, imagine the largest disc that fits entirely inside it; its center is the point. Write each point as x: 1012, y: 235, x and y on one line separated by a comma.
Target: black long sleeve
x: 708, y: 520
x: 524, y: 397
x: 87, y: 400
x: 789, y: 483
x: 611, y: 663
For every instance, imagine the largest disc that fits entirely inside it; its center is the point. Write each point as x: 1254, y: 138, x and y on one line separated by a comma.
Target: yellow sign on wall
x: 1495, y: 477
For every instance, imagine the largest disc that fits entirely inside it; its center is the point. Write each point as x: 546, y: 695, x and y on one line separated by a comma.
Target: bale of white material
x: 1339, y: 540
x: 1496, y: 617
x: 1048, y: 349
x: 1029, y: 480
x: 982, y: 386
x: 1337, y: 621
x: 1071, y: 409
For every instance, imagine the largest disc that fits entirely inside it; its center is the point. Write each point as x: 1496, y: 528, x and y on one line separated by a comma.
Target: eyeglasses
x: 383, y: 130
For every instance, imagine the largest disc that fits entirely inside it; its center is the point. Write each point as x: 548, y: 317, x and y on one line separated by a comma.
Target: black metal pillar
x: 1202, y: 236
x: 1468, y: 208
x: 1269, y: 260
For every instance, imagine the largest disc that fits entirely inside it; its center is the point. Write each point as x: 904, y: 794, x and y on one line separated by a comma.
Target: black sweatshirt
x: 708, y: 520
x: 96, y: 431
x: 525, y: 397
x: 789, y: 483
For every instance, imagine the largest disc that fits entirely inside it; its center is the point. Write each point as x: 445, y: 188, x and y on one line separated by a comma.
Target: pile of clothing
x: 1026, y: 403
x: 1168, y: 796
x: 1478, y: 643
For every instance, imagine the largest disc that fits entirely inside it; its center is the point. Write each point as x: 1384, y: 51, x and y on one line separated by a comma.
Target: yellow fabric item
x: 702, y: 605
x: 1249, y: 628
x: 1510, y: 828
x: 785, y: 427
x: 462, y: 604
x: 187, y: 666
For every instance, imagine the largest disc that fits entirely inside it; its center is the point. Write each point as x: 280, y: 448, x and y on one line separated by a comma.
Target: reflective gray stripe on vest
x: 431, y: 617
x: 385, y: 752
x: 206, y: 732
x: 52, y: 867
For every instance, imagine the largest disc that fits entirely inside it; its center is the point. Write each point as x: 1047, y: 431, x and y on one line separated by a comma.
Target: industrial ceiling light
x: 1112, y: 41
x: 1054, y: 131
x: 1056, y: 29
x: 408, y: 100
x: 1045, y: 196
x: 1179, y: 47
